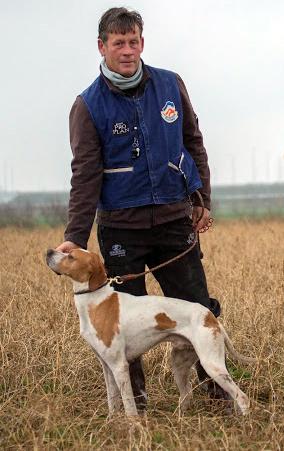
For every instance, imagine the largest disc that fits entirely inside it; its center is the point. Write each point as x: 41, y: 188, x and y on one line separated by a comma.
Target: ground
x: 51, y: 385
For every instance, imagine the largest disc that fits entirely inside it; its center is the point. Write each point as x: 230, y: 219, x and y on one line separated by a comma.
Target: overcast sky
x: 229, y: 53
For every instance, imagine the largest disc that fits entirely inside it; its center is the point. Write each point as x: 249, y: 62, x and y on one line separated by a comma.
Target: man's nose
x: 127, y: 49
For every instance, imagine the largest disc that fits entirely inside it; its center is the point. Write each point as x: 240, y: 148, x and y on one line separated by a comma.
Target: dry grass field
x: 51, y: 386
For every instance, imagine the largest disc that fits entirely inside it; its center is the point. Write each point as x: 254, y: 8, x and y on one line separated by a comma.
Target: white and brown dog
x: 121, y: 327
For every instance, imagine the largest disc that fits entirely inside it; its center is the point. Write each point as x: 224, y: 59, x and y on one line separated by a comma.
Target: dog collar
x: 91, y: 291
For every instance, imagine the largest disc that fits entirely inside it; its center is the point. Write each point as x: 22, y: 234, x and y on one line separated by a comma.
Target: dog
x: 121, y: 327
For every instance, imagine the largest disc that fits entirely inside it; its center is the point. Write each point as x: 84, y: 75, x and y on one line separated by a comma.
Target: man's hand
x: 67, y: 247
x: 204, y: 220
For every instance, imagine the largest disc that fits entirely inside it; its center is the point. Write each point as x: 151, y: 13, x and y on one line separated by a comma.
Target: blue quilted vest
x: 145, y: 161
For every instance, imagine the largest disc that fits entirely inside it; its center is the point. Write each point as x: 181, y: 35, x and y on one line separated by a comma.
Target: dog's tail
x: 232, y: 350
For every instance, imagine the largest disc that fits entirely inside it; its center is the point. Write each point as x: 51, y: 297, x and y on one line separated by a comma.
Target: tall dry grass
x: 51, y: 386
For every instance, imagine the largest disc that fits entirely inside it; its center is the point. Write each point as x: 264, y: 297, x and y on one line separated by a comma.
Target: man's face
x: 122, y: 51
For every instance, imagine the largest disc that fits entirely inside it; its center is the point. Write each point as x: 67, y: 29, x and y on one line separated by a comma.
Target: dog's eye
x: 70, y: 257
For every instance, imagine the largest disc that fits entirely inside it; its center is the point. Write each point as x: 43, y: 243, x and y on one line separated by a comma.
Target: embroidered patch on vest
x: 169, y: 112
x: 117, y: 251
x: 120, y: 128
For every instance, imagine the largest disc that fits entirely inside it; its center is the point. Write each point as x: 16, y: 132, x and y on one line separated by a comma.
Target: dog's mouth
x: 57, y: 273
x: 51, y: 263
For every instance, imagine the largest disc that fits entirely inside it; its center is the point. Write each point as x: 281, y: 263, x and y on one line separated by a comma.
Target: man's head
x: 120, y: 40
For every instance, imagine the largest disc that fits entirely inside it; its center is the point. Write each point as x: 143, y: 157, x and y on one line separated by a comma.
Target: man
x: 138, y: 159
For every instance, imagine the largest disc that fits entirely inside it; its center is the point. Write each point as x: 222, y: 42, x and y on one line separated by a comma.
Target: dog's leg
x: 183, y: 357
x: 210, y: 348
x: 209, y: 345
x: 219, y: 373
x: 120, y: 372
x: 113, y: 393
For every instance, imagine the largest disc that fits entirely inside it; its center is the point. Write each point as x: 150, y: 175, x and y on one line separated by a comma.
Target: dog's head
x: 80, y: 265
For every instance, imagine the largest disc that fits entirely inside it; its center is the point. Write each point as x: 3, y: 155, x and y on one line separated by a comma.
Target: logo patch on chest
x: 120, y: 128
x: 169, y: 112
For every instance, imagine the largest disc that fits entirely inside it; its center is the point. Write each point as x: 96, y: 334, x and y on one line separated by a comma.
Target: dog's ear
x: 98, y: 276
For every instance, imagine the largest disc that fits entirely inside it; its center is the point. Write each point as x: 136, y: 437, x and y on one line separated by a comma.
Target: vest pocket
x: 173, y: 166
x: 175, y: 181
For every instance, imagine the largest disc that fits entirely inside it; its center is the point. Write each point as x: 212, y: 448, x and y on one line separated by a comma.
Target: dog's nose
x: 49, y: 252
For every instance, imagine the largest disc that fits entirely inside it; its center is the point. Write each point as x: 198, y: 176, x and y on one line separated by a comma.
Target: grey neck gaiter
x: 120, y: 81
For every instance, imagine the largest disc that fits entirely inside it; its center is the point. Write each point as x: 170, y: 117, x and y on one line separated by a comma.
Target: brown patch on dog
x: 164, y: 322
x: 211, y: 322
x: 105, y: 318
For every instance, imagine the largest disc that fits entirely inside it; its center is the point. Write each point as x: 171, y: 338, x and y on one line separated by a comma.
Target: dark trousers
x: 129, y: 250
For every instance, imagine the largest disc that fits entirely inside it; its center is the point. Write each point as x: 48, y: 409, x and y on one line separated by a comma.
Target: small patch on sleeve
x: 211, y: 322
x: 164, y: 322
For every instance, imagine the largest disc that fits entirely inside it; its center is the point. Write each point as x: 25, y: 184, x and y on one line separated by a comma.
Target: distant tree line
x: 50, y: 208
x: 32, y: 216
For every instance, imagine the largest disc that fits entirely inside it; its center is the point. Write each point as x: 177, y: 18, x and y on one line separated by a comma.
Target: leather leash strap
x: 121, y: 279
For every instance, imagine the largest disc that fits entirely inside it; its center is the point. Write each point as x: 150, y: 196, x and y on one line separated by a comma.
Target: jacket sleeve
x: 193, y: 142
x: 87, y: 173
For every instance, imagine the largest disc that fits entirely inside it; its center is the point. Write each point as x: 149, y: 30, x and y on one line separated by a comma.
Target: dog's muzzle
x: 50, y: 254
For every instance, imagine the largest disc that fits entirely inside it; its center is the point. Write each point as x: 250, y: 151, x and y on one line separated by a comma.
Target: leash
x: 121, y: 279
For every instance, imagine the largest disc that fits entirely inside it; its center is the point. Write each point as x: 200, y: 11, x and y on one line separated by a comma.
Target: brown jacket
x: 87, y: 168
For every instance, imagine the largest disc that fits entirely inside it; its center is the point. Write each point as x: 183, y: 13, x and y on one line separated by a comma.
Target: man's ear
x: 142, y: 43
x: 101, y: 47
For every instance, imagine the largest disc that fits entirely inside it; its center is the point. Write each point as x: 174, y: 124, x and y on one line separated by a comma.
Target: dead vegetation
x: 51, y: 385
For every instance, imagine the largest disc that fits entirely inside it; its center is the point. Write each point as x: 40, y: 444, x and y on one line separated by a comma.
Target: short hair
x: 119, y: 20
